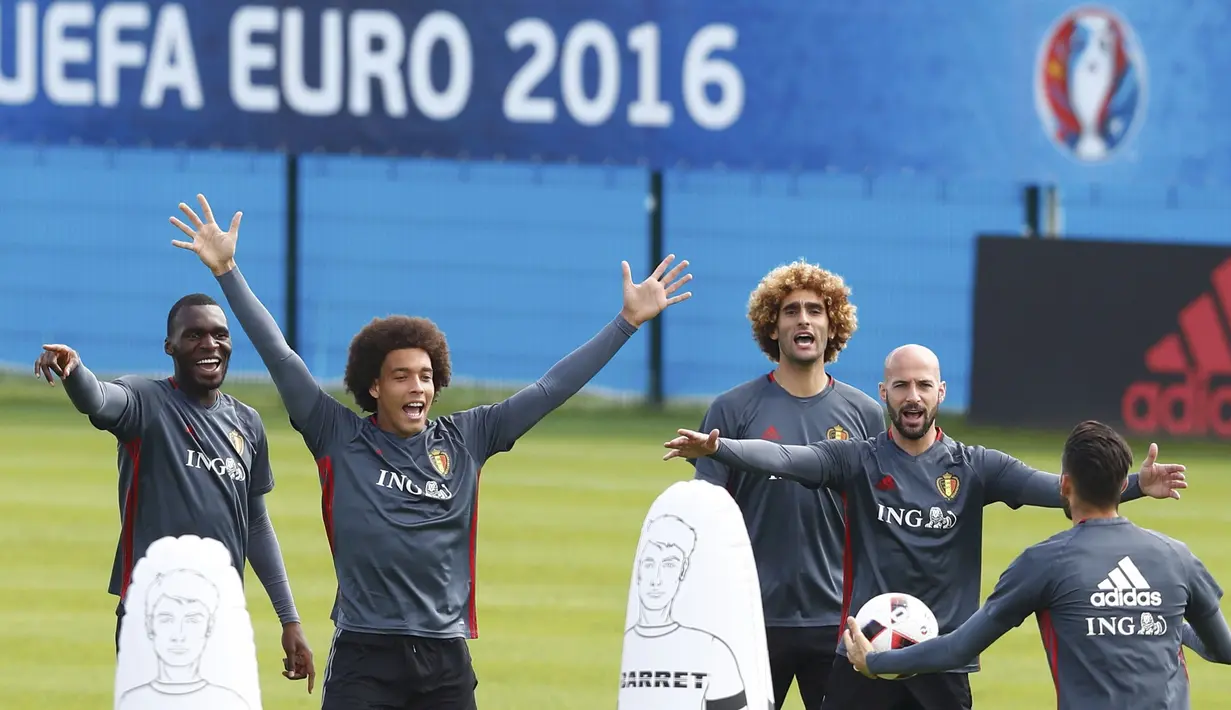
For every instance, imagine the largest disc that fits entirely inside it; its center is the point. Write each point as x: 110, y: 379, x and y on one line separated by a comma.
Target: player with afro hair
x: 399, y: 491
x: 802, y: 317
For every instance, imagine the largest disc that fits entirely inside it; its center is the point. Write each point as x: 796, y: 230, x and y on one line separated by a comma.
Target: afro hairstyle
x: 766, y: 301
x: 384, y: 335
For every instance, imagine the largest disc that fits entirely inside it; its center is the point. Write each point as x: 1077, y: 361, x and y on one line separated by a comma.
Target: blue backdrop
x: 518, y: 263
x: 956, y: 89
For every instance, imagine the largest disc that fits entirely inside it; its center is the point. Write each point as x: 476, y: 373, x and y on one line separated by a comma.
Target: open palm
x: 647, y: 299
x: 215, y: 247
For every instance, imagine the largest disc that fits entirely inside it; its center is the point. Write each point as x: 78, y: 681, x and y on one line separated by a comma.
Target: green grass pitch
x: 560, y: 516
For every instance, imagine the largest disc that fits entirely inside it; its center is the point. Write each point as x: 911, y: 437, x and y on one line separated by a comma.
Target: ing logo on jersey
x: 440, y: 461
x: 237, y: 441
x: 837, y: 432
x: 1090, y: 83
x: 948, y: 485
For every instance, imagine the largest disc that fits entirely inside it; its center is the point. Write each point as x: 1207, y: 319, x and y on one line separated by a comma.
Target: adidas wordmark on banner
x: 694, y: 633
x: 186, y: 640
x: 1126, y: 586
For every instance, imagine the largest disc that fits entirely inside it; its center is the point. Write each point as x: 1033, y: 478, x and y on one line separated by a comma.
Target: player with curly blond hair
x: 802, y: 317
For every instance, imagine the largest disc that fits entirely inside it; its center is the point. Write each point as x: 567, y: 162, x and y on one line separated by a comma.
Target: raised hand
x: 1161, y: 480
x: 647, y: 299
x: 692, y: 445
x: 60, y: 359
x: 215, y: 247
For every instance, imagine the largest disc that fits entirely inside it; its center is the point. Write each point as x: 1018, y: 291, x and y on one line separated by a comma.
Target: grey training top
x: 400, y: 513
x: 186, y: 469
x: 798, y: 533
x: 1110, y: 599
x: 915, y: 522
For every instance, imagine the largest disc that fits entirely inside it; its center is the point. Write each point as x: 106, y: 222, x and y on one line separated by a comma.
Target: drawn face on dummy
x: 663, y: 561
x: 180, y: 616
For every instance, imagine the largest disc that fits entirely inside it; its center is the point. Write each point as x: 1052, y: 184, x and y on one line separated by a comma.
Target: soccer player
x: 1110, y: 598
x: 914, y: 505
x: 399, y: 490
x: 801, y: 318
x: 192, y: 460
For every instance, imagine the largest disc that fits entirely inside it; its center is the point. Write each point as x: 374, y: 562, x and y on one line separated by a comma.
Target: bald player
x: 802, y: 318
x: 1110, y: 599
x: 915, y: 501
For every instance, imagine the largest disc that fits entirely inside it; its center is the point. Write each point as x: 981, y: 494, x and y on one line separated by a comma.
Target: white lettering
x: 22, y: 86
x: 1126, y: 597
x: 935, y: 519
x: 114, y: 53
x: 60, y: 51
x: 519, y: 105
x: 587, y: 35
x: 368, y: 63
x: 327, y: 100
x: 247, y: 56
x: 397, y: 481
x: 702, y: 70
x: 173, y: 62
x: 648, y: 109
x: 441, y: 26
x: 218, y: 466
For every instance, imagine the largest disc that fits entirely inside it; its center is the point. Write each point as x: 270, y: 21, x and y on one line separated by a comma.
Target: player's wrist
x: 223, y: 268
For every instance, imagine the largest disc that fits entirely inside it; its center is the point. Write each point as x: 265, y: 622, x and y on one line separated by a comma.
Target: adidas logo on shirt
x: 1125, y: 586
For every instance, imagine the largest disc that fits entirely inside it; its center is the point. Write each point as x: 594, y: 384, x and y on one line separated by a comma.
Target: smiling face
x: 200, y: 345
x: 405, y: 390
x: 179, y: 629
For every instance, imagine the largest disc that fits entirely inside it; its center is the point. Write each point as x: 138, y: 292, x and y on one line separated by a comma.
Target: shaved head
x: 912, y: 357
x: 912, y: 390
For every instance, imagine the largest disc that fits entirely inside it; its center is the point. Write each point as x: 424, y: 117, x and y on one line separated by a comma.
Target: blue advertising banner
x: 1030, y: 89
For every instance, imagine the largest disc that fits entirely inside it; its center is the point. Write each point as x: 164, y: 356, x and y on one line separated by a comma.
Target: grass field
x: 560, y: 518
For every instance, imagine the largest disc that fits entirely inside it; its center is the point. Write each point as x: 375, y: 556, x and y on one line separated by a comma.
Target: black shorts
x: 851, y: 690
x: 381, y: 672
x: 803, y: 654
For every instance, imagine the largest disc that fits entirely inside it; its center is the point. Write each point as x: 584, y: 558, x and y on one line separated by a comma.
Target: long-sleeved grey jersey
x: 401, y: 513
x: 1110, y: 599
x: 915, y: 523
x: 798, y: 534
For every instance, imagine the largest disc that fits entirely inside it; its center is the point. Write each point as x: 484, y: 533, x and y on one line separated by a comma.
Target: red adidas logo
x: 771, y: 434
x: 1200, y: 350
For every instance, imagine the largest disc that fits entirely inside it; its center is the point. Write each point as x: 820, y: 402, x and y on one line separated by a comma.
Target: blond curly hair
x: 766, y: 301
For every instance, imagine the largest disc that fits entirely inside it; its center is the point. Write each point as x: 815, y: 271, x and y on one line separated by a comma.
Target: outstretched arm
x: 501, y: 424
x: 1015, y: 484
x: 104, y: 402
x: 1209, y: 637
x: 216, y: 248
x: 826, y: 463
x: 953, y: 650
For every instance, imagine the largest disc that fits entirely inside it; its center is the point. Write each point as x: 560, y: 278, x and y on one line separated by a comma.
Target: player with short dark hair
x: 914, y: 505
x: 1110, y: 598
x: 192, y: 460
x: 802, y: 318
x: 399, y: 490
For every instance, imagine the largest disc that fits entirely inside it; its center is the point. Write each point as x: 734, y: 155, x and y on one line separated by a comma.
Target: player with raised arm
x: 914, y: 504
x: 399, y: 490
x: 192, y: 460
x: 801, y: 318
x: 1110, y: 598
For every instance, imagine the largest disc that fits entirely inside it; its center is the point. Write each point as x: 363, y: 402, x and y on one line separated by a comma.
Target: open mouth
x: 209, y: 365
x: 912, y: 417
x: 804, y: 340
x: 414, y: 411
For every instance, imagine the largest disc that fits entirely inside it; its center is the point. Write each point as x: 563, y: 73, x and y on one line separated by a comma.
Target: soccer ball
x: 896, y: 620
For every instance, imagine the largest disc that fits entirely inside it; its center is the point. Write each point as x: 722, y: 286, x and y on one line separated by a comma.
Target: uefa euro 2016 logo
x: 1090, y: 83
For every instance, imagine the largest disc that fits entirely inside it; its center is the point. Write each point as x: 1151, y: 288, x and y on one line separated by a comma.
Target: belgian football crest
x: 440, y: 461
x: 948, y: 484
x: 838, y: 432
x: 237, y: 441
